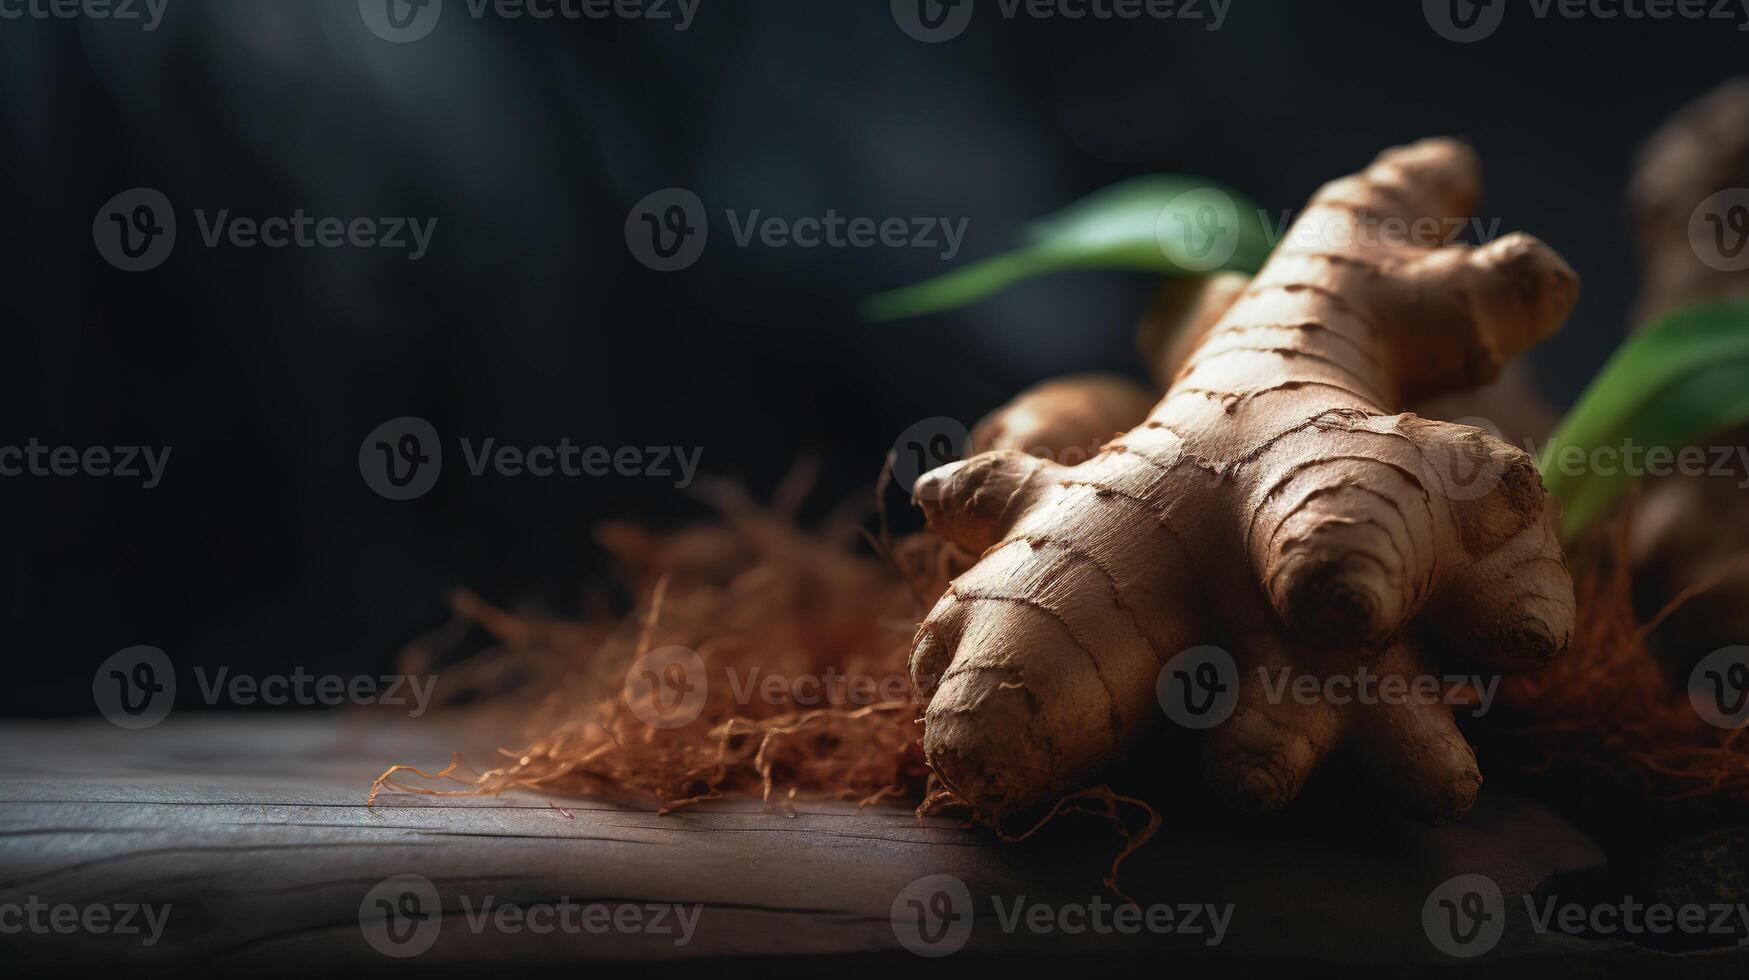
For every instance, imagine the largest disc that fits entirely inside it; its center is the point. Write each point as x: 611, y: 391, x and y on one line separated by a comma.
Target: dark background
x: 530, y: 321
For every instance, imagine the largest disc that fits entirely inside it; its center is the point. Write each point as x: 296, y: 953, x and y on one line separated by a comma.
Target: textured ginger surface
x: 1276, y: 505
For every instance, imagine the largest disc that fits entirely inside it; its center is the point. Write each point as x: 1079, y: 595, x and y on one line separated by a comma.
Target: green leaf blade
x: 1676, y: 382
x: 1168, y: 224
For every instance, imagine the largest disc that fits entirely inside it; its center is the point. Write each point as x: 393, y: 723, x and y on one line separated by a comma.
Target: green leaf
x: 1677, y: 381
x: 1170, y: 224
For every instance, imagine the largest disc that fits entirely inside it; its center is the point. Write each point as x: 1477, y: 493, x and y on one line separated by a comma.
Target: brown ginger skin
x: 1186, y: 309
x: 1065, y: 419
x: 1690, y: 531
x: 1704, y: 149
x: 1179, y: 321
x: 1274, y: 504
x: 1069, y: 419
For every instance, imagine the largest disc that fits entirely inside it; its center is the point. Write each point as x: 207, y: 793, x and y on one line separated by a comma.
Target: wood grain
x: 254, y: 833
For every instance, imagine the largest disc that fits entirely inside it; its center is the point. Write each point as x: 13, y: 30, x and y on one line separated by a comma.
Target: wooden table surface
x: 249, y: 838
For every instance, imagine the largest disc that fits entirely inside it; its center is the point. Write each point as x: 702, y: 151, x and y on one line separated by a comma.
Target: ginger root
x: 1703, y: 150
x: 1069, y: 419
x: 1690, y: 532
x: 1066, y: 419
x: 1274, y: 505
